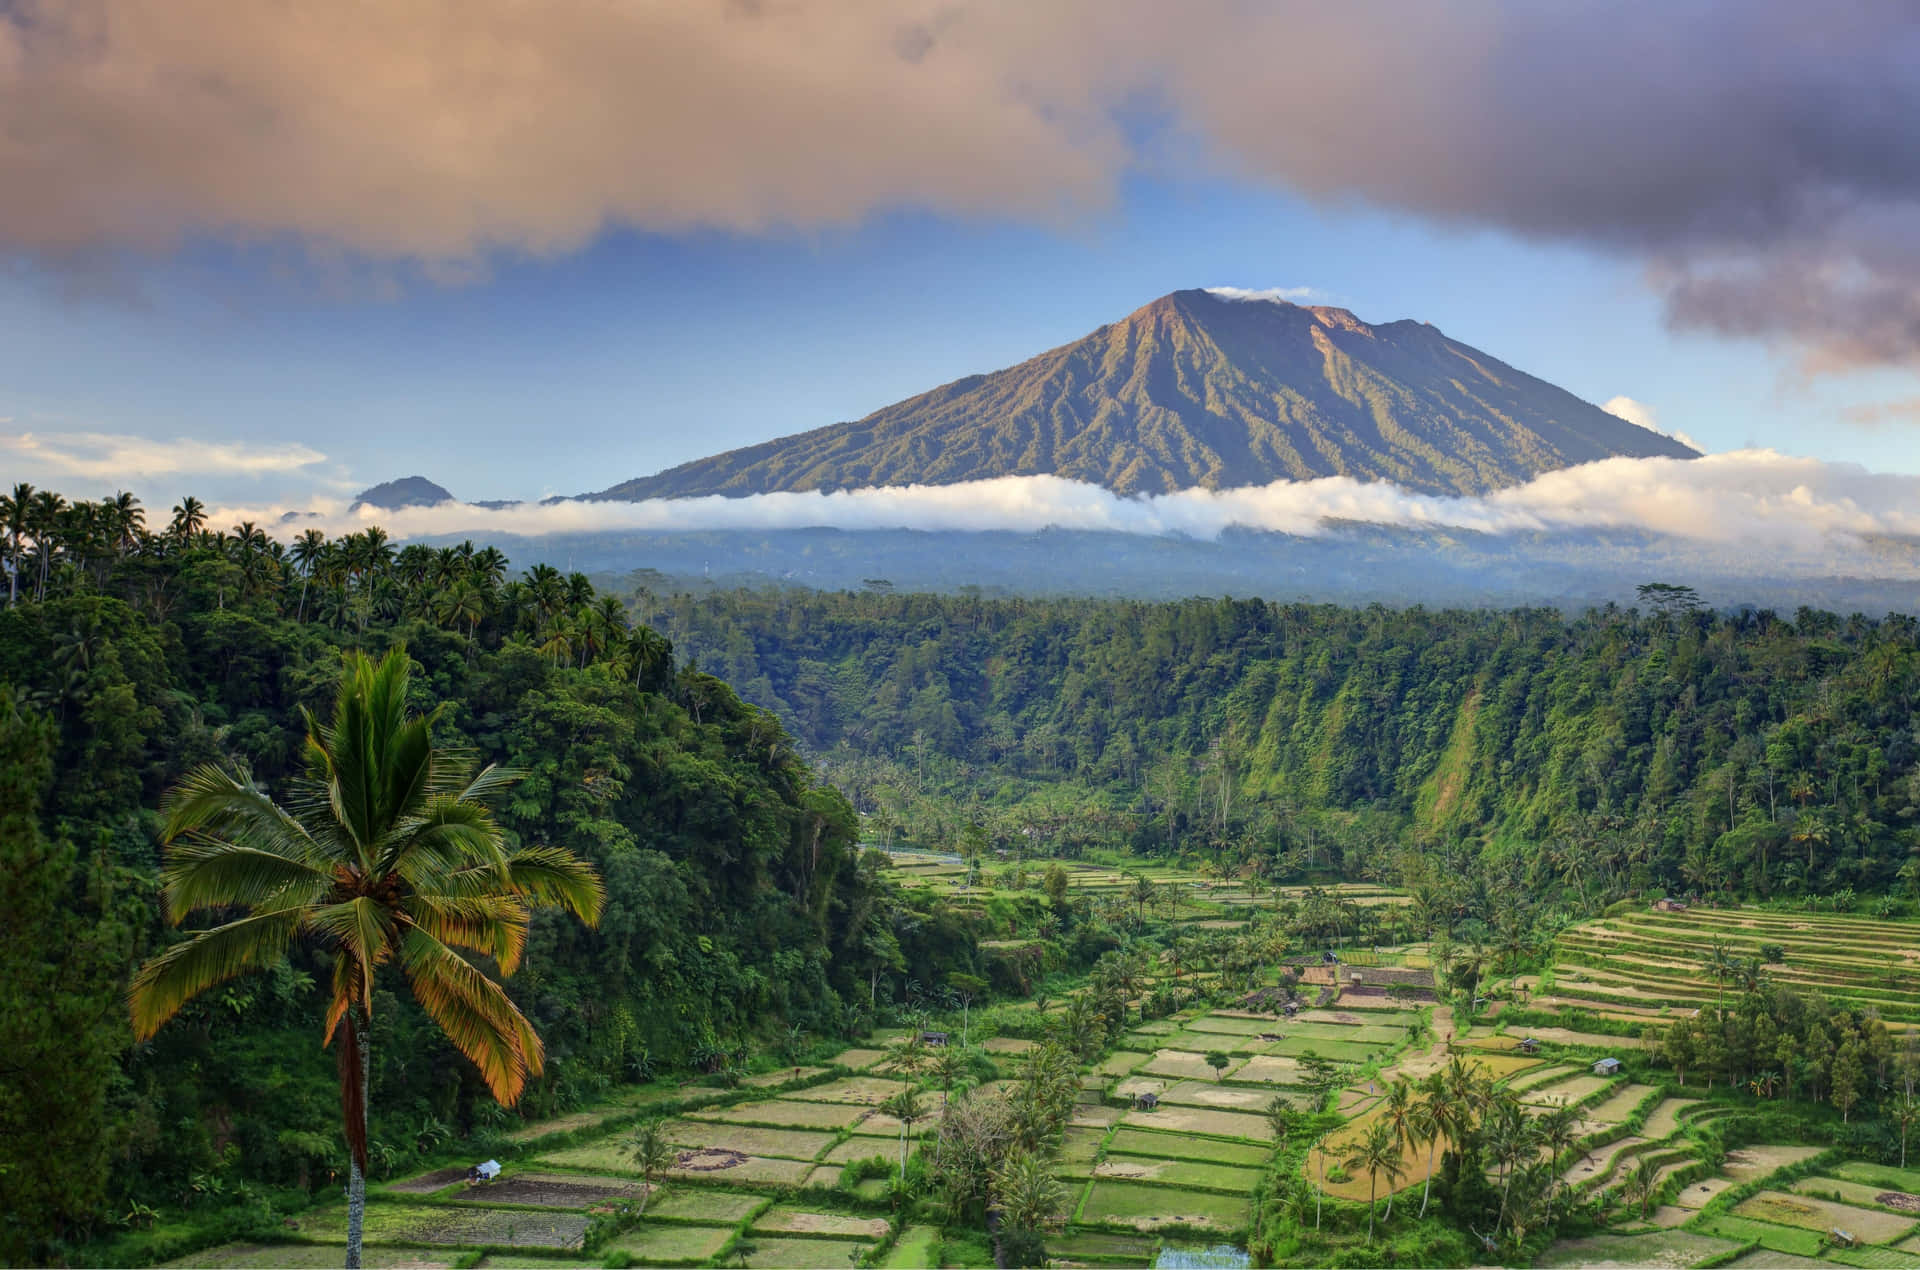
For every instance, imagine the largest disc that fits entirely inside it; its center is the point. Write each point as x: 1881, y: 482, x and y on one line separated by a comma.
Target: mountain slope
x: 1197, y: 389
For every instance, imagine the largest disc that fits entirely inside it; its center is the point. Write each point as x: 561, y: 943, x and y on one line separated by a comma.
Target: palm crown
x: 387, y: 853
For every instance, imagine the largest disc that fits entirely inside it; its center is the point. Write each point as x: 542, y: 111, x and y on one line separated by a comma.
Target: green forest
x: 737, y: 908
x: 1746, y: 753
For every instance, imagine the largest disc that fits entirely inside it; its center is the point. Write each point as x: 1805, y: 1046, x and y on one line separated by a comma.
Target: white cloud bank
x: 1757, y: 498
x: 129, y: 459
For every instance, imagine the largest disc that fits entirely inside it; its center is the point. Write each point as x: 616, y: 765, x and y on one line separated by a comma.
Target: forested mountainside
x: 1747, y: 752
x: 736, y: 905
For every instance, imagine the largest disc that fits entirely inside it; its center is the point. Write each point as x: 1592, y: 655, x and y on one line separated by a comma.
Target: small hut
x: 933, y: 1038
x: 1530, y: 1045
x: 1607, y: 1067
x: 484, y: 1172
x: 1146, y: 1101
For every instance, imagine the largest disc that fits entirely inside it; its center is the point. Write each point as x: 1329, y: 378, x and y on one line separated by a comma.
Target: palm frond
x: 210, y: 957
x: 475, y: 1013
x: 207, y: 872
x: 495, y: 925
x: 554, y: 876
x: 446, y: 836
x: 350, y: 988
x: 361, y: 928
x: 213, y: 800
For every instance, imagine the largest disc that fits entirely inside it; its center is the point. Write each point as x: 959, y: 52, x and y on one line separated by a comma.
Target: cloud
x: 1287, y: 295
x: 1755, y: 156
x: 1755, y: 499
x: 1641, y: 415
x: 1874, y: 413
x: 108, y: 456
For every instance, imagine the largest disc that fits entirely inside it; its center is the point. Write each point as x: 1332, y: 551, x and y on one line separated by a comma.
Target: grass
x: 1146, y: 1206
x: 914, y: 1250
x: 1658, y: 1248
x: 706, y: 1204
x: 1211, y: 1177
x: 1820, y: 1215
x: 306, y: 1257
x: 866, y: 1091
x: 796, y: 1221
x: 784, y: 1114
x: 445, y: 1224
x: 663, y: 1242
x: 779, y: 1253
x: 1092, y: 1246
x: 1133, y: 1140
x: 1871, y: 1258
x: 1884, y: 1176
x: 1788, y: 1239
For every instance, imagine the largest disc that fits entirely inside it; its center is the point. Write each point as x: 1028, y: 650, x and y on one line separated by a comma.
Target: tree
x: 967, y: 988
x: 61, y: 960
x: 1639, y: 1185
x: 653, y: 1153
x: 1379, y: 1154
x: 1430, y: 1123
x: 1028, y: 1196
x: 1396, y: 1112
x: 1219, y: 1061
x: 389, y: 854
x: 1849, y: 1077
x: 905, y: 1107
x: 1282, y: 1118
x: 1906, y: 1112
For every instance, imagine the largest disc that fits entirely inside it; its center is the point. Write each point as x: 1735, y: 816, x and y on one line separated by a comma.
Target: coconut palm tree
x: 1397, y: 1113
x: 16, y: 520
x: 189, y: 518
x: 1432, y: 1118
x: 904, y: 1107
x: 388, y: 854
x: 1379, y: 1154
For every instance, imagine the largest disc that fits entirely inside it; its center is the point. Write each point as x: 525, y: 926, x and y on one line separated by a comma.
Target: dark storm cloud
x: 1758, y: 156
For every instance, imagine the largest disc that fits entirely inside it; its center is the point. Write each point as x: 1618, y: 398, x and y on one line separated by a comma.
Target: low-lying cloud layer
x: 1761, y: 498
x: 1756, y: 156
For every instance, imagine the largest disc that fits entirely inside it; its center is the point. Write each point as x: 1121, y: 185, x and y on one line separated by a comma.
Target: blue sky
x: 529, y: 258
x: 566, y: 375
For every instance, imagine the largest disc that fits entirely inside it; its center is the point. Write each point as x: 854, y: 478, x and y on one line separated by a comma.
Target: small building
x: 1842, y: 1238
x: 1607, y: 1067
x: 933, y: 1038
x: 1530, y: 1045
x: 1293, y: 1008
x: 1146, y: 1102
x: 484, y: 1172
x: 1669, y: 905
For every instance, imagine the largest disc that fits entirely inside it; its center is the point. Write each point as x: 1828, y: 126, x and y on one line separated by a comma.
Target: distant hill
x: 408, y: 491
x: 1199, y: 389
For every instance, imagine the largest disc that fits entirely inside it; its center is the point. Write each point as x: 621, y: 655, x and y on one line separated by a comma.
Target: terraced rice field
x: 1645, y: 960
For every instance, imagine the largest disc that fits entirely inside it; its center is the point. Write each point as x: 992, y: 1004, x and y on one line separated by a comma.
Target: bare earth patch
x: 1751, y: 1163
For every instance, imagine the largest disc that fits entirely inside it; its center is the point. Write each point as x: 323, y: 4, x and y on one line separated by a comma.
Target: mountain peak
x: 408, y: 491
x: 1215, y: 388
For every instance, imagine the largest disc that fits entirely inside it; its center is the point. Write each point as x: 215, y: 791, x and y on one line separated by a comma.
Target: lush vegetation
x: 1617, y: 752
x: 736, y: 905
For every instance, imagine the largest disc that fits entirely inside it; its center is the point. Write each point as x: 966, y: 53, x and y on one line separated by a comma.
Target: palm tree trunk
x: 1427, y: 1190
x: 355, y: 1071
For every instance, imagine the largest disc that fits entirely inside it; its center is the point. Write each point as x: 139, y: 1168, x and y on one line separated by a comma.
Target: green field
x: 672, y: 1242
x: 1146, y: 1205
x: 1133, y: 1140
